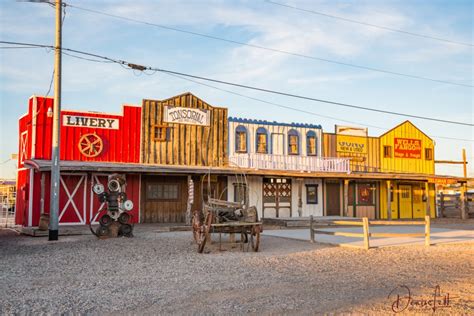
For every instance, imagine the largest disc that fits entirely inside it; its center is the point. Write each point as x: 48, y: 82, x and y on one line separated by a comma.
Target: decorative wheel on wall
x: 91, y: 145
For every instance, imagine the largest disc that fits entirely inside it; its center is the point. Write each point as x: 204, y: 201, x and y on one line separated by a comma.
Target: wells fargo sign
x: 407, y: 148
x: 182, y: 115
x: 351, y: 144
x: 89, y: 121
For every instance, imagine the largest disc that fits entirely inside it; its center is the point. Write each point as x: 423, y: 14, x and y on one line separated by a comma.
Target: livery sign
x: 182, y: 115
x: 90, y: 121
x: 407, y: 148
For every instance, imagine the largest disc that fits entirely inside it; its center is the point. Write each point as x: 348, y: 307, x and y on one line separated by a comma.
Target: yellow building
x: 406, y: 149
x: 402, y: 159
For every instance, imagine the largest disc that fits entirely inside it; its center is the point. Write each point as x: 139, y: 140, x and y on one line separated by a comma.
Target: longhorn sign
x: 90, y: 145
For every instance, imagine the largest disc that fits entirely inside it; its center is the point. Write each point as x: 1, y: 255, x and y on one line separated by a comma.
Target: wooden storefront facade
x: 402, y: 151
x: 292, y: 169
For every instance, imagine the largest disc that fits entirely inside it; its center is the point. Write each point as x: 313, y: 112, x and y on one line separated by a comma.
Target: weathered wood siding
x: 185, y: 144
x: 369, y: 162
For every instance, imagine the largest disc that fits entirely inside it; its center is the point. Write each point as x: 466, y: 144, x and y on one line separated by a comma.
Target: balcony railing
x: 290, y: 163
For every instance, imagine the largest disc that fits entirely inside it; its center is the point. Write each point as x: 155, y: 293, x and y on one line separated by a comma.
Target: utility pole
x: 55, y: 175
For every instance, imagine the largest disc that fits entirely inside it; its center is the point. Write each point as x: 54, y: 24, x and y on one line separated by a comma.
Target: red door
x: 72, y: 199
x: 95, y: 204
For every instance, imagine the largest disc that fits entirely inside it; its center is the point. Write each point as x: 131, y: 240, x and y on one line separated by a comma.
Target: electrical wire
x: 143, y: 68
x: 370, y: 24
x: 268, y: 48
x: 301, y: 110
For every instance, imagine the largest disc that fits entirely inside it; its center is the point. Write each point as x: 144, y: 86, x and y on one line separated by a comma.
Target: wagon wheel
x: 255, y: 238
x: 90, y: 145
x: 201, y: 231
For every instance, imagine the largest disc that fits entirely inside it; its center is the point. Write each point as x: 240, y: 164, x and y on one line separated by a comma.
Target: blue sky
x: 105, y: 87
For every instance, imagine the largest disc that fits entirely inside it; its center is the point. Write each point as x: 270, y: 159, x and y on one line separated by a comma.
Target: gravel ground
x: 160, y: 273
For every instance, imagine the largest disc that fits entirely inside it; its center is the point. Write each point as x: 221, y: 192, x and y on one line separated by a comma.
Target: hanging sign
x: 182, y: 115
x: 351, y: 144
x: 407, y: 148
x: 90, y: 121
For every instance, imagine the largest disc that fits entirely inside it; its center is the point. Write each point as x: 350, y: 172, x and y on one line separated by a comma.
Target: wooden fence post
x: 463, y: 202
x: 427, y: 230
x: 311, y: 229
x: 365, y: 221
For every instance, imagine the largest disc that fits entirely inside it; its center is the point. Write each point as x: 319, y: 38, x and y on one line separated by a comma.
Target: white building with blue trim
x: 274, y: 146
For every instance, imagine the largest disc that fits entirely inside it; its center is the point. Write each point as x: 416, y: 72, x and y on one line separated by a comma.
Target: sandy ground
x: 160, y: 273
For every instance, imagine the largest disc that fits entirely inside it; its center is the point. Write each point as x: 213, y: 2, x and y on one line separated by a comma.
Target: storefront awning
x: 93, y: 166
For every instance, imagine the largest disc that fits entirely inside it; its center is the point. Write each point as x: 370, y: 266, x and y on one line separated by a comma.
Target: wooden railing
x: 366, y: 234
x: 291, y: 162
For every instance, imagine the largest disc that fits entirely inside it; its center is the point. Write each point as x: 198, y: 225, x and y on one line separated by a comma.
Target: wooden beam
x: 453, y: 162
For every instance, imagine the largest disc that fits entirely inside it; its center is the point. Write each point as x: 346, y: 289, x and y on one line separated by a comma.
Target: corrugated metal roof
x: 264, y: 122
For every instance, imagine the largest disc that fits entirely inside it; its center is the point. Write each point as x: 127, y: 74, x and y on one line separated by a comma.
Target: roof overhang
x: 93, y: 166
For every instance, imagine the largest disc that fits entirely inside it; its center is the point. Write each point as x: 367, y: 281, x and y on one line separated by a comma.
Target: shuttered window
x: 293, y: 142
x: 387, y: 151
x: 159, y: 133
x: 241, y: 139
x: 311, y: 143
x: 428, y: 153
x: 262, y: 147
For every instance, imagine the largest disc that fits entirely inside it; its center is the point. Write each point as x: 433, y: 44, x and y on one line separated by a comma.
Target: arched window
x: 262, y: 137
x: 311, y: 144
x: 241, y: 139
x: 293, y: 142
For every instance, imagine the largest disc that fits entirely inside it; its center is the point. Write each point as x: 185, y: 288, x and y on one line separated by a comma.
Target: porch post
x: 346, y: 197
x: 428, y: 206
x: 389, y: 201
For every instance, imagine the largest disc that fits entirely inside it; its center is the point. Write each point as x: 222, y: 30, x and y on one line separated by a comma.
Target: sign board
x: 90, y: 121
x: 407, y: 148
x: 350, y: 130
x: 351, y: 144
x: 182, y: 115
x: 442, y: 181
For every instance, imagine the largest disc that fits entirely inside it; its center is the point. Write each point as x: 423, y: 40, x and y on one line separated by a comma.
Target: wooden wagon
x: 225, y: 217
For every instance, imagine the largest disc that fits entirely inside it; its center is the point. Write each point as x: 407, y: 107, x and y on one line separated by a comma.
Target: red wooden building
x: 93, y: 145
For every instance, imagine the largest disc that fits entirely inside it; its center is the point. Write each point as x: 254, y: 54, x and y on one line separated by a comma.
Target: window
x: 429, y: 153
x: 240, y: 193
x: 262, y: 136
x: 365, y: 194
x: 311, y: 143
x: 159, y: 133
x: 293, y: 142
x: 162, y: 191
x: 311, y: 194
x: 241, y: 139
x: 387, y: 151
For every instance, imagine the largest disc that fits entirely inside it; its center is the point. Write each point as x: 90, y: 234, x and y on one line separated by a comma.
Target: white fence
x: 290, y: 163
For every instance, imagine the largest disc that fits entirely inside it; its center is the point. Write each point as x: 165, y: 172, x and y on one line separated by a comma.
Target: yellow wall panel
x: 409, y: 132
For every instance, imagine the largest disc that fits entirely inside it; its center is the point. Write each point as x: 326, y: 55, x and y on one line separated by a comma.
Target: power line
x: 370, y: 24
x: 268, y: 48
x: 143, y: 68
x: 303, y: 111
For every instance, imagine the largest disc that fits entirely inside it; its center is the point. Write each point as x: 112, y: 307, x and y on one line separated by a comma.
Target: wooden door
x: 405, y: 201
x: 72, y: 199
x: 277, y: 144
x: 276, y: 197
x: 333, y: 199
x: 418, y: 203
x: 164, y: 199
